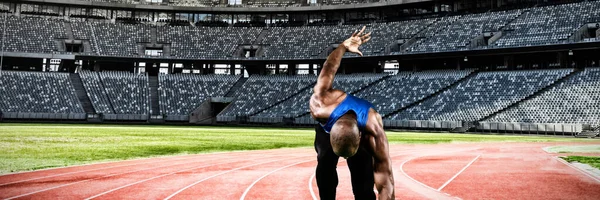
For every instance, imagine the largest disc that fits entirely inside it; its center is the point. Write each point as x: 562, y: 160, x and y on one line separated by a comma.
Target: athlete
x: 353, y: 126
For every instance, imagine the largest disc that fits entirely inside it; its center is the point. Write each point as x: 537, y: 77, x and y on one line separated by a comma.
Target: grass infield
x: 37, y: 146
x: 592, y: 161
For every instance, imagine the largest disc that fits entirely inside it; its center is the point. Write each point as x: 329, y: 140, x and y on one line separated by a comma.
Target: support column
x: 509, y: 61
x: 96, y: 66
x: 563, y: 59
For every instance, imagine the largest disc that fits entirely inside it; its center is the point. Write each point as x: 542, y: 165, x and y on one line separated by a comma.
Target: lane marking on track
x: 155, y: 177
x: 312, y: 178
x: 430, y: 154
x: 166, y: 158
x: 82, y: 181
x: 195, y: 183
x: 88, y: 170
x: 310, y: 186
x: 87, y: 180
x: 459, y: 172
x: 267, y: 174
x: 579, y: 170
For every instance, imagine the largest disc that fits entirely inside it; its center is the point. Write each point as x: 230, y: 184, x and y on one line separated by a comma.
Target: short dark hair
x: 345, y: 136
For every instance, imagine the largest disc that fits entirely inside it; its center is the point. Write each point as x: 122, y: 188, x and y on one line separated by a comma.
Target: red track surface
x: 448, y: 171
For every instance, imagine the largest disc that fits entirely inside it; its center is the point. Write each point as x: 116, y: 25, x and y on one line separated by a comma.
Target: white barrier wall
x: 530, y: 127
x: 422, y: 124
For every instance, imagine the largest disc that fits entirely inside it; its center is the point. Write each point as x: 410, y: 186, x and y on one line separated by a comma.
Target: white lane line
x: 429, y: 154
x: 163, y: 175
x: 312, y: 178
x: 87, y: 180
x: 310, y: 187
x: 195, y: 183
x: 579, y: 170
x: 459, y: 172
x: 267, y: 174
x: 159, y: 159
x: 152, y: 178
x: 88, y: 170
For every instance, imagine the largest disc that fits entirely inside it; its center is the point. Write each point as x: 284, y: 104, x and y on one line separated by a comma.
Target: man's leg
x: 361, y: 173
x: 326, y: 173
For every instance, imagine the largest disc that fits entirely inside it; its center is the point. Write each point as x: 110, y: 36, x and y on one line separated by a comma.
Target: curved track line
x: 267, y: 174
x: 312, y: 178
x: 310, y: 186
x: 87, y: 180
x: 577, y: 169
x: 155, y: 177
x: 88, y: 170
x: 423, y: 184
x: 119, y: 161
x: 167, y: 158
x: 163, y: 175
x: 459, y: 172
x: 195, y: 183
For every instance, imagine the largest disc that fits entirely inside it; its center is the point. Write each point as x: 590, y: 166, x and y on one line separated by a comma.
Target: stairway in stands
x: 154, y: 106
x: 153, y: 35
x: 81, y: 93
x: 69, y: 31
x: 260, y: 36
x: 299, y: 92
x: 236, y: 86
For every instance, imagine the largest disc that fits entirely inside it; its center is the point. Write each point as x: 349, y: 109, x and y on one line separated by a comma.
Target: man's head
x: 345, y: 136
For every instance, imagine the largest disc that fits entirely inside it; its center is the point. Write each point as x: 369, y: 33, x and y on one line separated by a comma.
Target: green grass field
x: 36, y: 146
x: 592, y: 161
x: 575, y: 149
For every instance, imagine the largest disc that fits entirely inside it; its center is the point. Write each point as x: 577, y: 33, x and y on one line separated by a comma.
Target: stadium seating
x: 302, y: 42
x: 405, y: 88
x: 127, y: 92
x: 204, y: 42
x: 576, y: 100
x: 113, y: 39
x: 298, y: 104
x: 260, y: 92
x: 38, y: 92
x: 96, y: 92
x: 548, y: 24
x: 482, y: 95
x: 542, y: 25
x: 25, y: 35
x: 458, y: 34
x: 180, y: 94
x: 384, y: 34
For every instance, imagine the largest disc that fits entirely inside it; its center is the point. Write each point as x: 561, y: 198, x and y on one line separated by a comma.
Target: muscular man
x: 353, y: 126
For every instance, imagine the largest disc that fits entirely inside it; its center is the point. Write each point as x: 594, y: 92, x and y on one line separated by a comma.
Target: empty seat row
x: 576, y: 100
x: 180, y: 94
x: 482, y: 95
x: 260, y: 92
x: 298, y: 104
x: 38, y: 92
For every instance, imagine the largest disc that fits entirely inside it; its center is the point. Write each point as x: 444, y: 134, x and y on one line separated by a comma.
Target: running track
x: 446, y: 171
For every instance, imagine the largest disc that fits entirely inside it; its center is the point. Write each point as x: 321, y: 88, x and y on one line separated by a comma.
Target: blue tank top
x: 350, y: 103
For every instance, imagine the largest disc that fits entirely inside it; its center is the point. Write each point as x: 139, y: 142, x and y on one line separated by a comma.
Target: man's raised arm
x: 331, y: 65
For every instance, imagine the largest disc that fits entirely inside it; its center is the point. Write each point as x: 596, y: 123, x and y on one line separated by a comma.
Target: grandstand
x: 479, y: 67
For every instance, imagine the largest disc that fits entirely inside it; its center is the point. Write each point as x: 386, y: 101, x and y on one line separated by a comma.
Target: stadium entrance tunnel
x: 207, y: 112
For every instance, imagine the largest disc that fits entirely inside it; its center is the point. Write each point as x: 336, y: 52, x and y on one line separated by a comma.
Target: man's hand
x: 356, y: 40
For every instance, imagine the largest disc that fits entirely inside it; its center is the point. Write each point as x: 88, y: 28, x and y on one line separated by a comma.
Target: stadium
x: 208, y: 99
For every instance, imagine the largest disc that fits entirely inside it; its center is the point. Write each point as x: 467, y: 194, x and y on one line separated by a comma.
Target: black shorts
x: 360, y: 165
